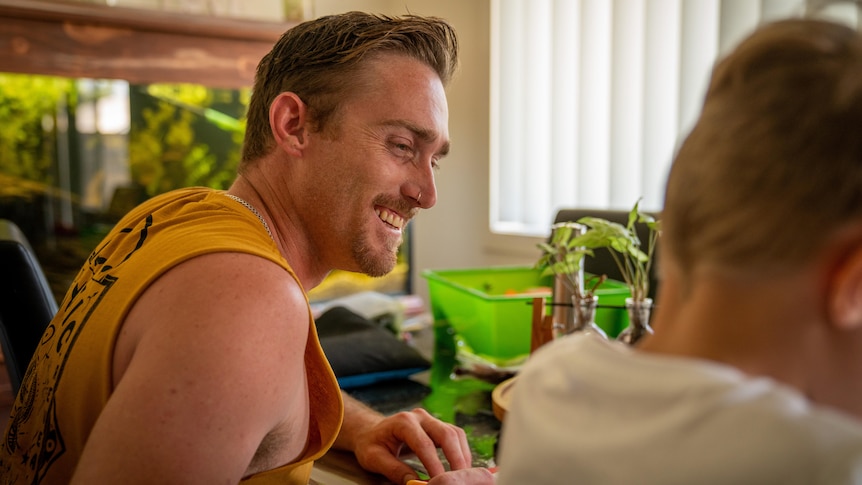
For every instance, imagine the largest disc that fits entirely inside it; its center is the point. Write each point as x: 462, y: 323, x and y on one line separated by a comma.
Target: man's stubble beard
x: 371, y: 262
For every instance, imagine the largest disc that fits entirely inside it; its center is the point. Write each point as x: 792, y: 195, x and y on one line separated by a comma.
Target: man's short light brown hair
x: 321, y: 61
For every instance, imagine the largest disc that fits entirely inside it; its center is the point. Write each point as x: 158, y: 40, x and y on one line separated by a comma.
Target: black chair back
x: 26, y: 302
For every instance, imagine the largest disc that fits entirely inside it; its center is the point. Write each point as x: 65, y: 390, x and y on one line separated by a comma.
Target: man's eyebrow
x: 423, y: 134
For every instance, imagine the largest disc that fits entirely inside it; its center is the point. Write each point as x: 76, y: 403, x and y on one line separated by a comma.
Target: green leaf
x: 623, y: 243
x: 633, y: 215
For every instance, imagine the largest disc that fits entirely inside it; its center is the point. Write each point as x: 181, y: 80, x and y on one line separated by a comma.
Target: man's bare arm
x: 210, y: 361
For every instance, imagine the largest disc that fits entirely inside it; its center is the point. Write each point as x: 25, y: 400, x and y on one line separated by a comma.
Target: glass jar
x: 639, y: 314
x: 584, y: 312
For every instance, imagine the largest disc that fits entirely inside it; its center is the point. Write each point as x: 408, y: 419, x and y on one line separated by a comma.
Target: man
x: 753, y: 374
x: 185, y: 351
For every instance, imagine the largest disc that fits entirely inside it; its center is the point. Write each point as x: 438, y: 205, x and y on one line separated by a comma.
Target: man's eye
x: 402, y: 149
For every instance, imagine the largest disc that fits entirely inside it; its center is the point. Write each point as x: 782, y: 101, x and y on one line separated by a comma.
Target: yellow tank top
x: 69, y: 378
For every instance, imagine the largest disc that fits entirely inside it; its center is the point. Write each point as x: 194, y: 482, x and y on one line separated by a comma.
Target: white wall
x: 455, y: 234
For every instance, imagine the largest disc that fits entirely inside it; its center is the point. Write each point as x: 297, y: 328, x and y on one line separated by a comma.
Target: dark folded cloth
x: 362, y: 352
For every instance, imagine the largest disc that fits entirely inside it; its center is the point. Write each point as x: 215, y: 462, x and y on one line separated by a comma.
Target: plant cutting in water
x: 563, y: 256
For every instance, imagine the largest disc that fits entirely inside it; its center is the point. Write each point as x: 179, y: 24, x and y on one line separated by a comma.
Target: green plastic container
x: 492, y: 311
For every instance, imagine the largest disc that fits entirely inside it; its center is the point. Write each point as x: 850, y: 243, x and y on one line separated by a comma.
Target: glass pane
x: 77, y: 154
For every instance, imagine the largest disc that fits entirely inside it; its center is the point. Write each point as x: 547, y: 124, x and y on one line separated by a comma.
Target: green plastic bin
x: 489, y: 309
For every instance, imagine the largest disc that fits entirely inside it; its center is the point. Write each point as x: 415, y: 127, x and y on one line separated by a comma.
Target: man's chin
x: 377, y: 266
x: 378, y: 270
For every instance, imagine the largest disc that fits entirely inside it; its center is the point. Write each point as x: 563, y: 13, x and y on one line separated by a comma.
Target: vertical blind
x: 589, y: 98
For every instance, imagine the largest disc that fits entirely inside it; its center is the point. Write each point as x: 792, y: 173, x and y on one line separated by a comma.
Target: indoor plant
x: 562, y: 256
x: 631, y: 257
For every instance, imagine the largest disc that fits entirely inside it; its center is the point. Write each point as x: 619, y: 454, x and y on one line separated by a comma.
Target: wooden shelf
x: 141, y: 46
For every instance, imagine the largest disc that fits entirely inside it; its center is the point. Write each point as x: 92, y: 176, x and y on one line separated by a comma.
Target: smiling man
x: 185, y: 351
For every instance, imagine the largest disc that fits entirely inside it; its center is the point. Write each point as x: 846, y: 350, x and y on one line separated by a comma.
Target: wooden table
x: 340, y: 468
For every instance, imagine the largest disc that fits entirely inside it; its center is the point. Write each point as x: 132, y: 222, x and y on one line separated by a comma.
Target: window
x: 76, y: 154
x: 590, y: 97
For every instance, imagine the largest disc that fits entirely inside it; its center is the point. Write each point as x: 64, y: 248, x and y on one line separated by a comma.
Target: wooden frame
x: 140, y: 46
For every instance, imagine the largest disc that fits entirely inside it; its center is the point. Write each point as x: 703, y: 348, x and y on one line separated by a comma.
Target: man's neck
x: 256, y: 189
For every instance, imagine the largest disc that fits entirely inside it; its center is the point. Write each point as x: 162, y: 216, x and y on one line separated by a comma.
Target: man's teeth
x: 390, y: 218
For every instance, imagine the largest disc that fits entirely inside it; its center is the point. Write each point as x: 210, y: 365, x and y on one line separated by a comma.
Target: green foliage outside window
x: 180, y: 135
x: 166, y: 147
x: 28, y: 110
x: 178, y: 139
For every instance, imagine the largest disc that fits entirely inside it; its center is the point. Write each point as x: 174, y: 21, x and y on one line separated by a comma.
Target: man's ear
x: 288, y: 121
x: 845, y: 297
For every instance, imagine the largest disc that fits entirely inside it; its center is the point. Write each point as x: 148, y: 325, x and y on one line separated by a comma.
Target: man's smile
x: 391, y: 218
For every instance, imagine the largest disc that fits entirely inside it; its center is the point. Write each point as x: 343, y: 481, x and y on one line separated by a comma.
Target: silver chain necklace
x: 254, y: 211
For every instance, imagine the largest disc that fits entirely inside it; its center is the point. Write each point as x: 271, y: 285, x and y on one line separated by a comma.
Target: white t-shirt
x: 588, y: 411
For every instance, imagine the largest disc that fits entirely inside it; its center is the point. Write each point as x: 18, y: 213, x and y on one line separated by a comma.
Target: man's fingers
x: 449, y: 438
x: 434, y: 434
x: 423, y: 434
x: 457, y: 449
x: 382, y: 461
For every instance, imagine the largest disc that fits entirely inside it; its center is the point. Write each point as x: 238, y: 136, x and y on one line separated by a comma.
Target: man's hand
x: 377, y: 442
x: 378, y: 448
